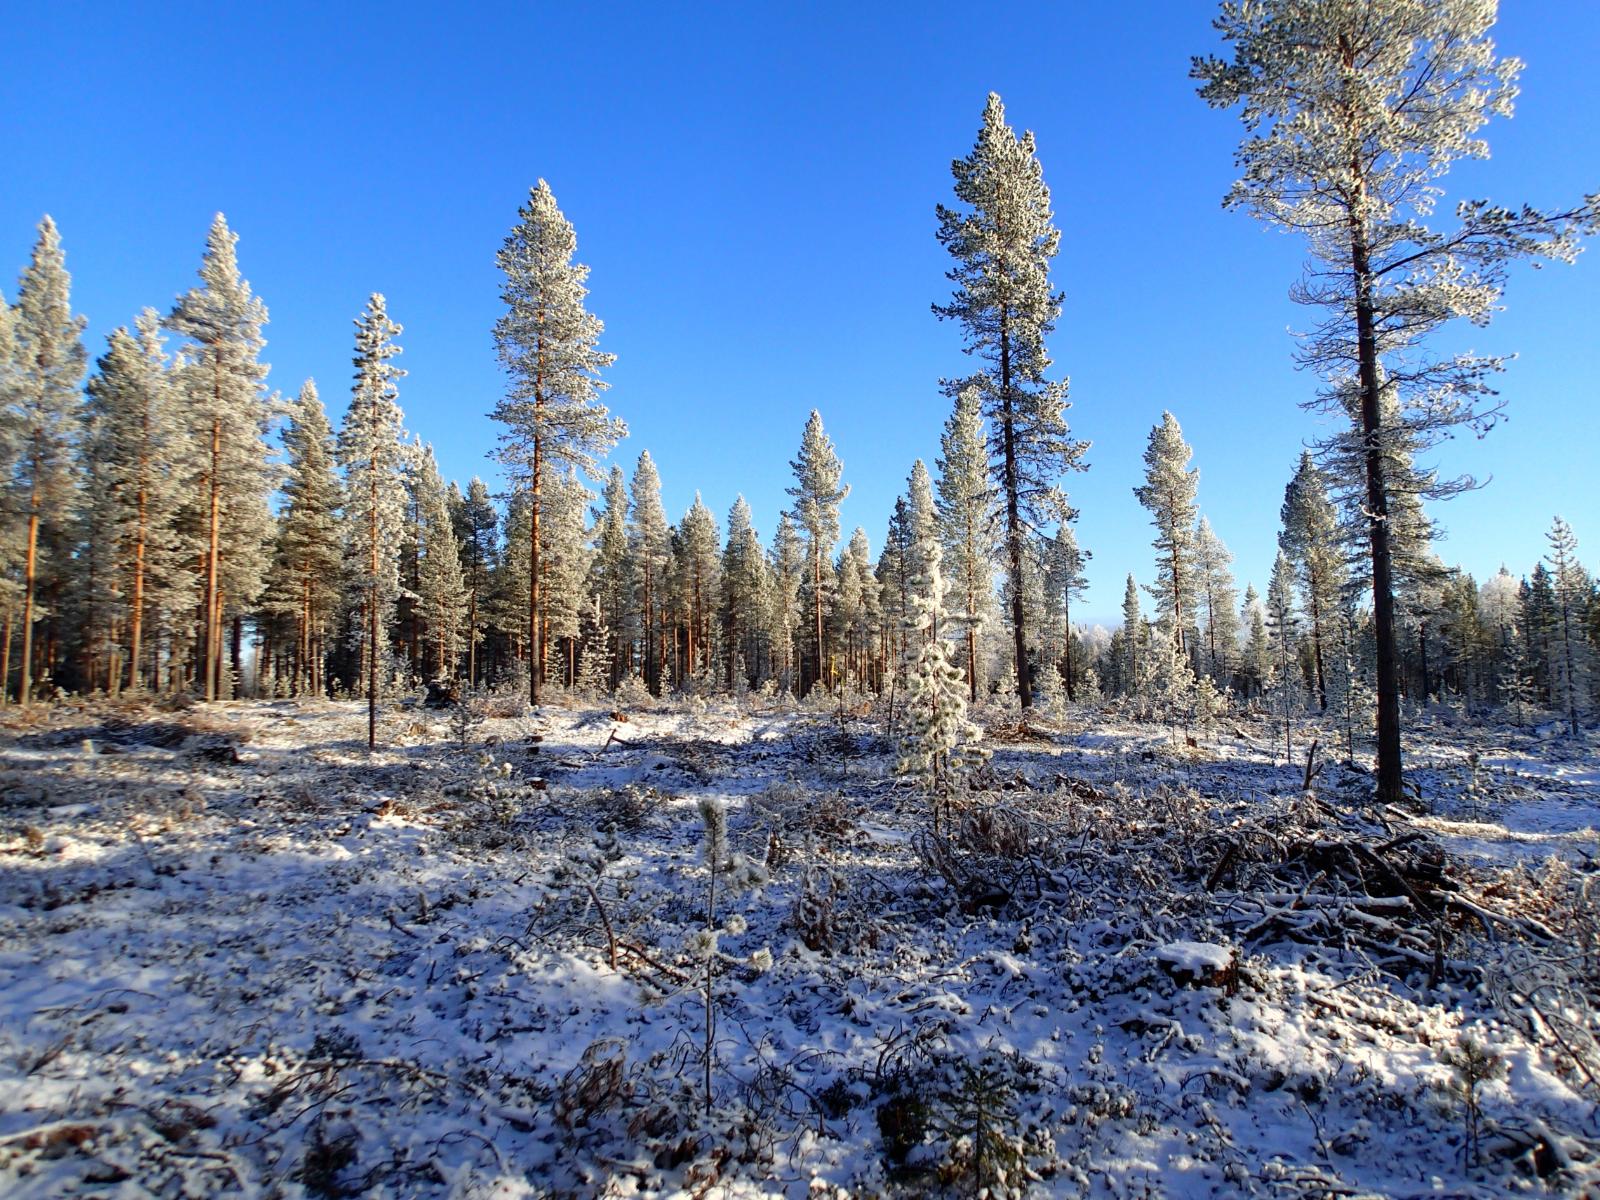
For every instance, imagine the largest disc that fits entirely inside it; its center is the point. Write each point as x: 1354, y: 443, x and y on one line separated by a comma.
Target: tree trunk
x: 372, y: 609
x: 1316, y: 648
x: 1013, y: 517
x: 535, y: 646
x: 1390, y: 772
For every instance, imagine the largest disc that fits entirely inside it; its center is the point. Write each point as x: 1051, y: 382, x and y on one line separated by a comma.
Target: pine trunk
x: 1013, y: 519
x: 1390, y: 771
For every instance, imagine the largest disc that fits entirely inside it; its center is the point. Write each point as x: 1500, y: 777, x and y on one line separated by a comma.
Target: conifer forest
x: 367, y: 832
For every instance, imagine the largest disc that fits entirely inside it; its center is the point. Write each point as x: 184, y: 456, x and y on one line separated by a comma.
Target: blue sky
x: 754, y: 188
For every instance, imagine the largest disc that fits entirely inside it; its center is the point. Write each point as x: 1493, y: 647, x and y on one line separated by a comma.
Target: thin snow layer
x: 239, y: 955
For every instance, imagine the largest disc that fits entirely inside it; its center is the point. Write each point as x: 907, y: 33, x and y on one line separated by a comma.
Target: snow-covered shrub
x: 828, y: 917
x: 464, y: 717
x: 628, y: 807
x: 632, y: 694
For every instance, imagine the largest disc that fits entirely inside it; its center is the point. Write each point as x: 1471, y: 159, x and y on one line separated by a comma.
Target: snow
x: 1195, y: 957
x: 318, y: 973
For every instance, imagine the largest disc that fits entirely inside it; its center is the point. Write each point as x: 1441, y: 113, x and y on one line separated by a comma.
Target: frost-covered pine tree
x: 47, y: 366
x: 1283, y: 630
x: 1350, y: 693
x: 745, y: 595
x: 651, y: 548
x: 1352, y: 112
x: 222, y: 377
x: 548, y: 343
x: 140, y: 456
x: 1168, y: 680
x: 10, y: 588
x: 923, y: 524
x: 1256, y: 663
x: 1065, y: 581
x: 594, y: 659
x: 700, y: 580
x: 1132, y: 637
x: 857, y: 571
x: 1217, y: 598
x: 1310, y: 538
x: 1168, y: 494
x: 610, y: 567
x: 441, y: 591
x: 508, y: 590
x: 894, y: 594
x: 309, y: 545
x: 1570, y: 650
x: 375, y: 454
x: 939, y: 745
x: 477, y: 533
x: 788, y: 576
x: 817, y: 492
x: 966, y: 519
x: 563, y: 568
x: 1003, y: 239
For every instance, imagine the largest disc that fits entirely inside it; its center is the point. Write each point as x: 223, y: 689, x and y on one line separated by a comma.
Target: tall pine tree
x: 1003, y: 240
x: 548, y: 343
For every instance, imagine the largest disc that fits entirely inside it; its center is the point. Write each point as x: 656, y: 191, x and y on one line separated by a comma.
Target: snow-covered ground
x: 239, y: 956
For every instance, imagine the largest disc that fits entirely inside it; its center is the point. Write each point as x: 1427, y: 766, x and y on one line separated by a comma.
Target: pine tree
x: 1003, y: 246
x: 1065, y: 582
x: 1256, y: 662
x: 966, y: 516
x: 477, y: 527
x: 923, y: 524
x: 611, y: 566
x: 509, y: 585
x: 48, y: 361
x: 1570, y: 585
x: 1310, y: 539
x: 1132, y: 635
x: 1351, y: 112
x: 1283, y: 629
x: 817, y: 493
x: 375, y: 454
x: 700, y: 573
x: 894, y: 592
x: 651, y: 550
x: 309, y: 549
x: 441, y: 591
x: 1217, y: 597
x: 547, y: 342
x: 563, y: 569
x: 223, y: 379
x: 139, y: 457
x: 745, y: 589
x: 1168, y: 494
x: 788, y: 576
x: 594, y: 659
x: 939, y: 744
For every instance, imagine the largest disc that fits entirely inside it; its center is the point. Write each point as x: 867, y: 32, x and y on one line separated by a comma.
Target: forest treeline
x: 172, y: 524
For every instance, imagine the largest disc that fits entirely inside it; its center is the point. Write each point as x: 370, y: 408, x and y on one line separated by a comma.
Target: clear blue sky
x: 754, y: 188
